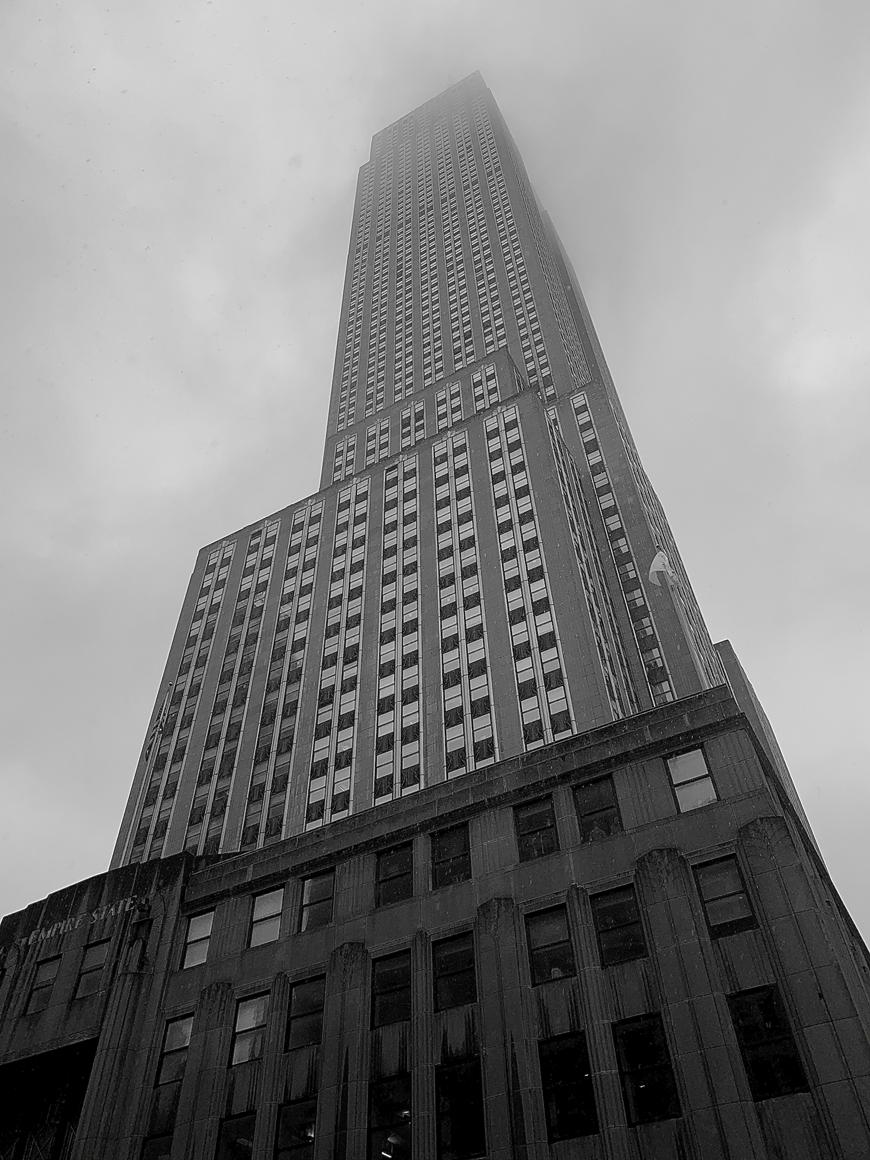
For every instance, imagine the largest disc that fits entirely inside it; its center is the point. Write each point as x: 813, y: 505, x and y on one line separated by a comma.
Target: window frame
x: 386, y: 993
x: 610, y: 957
x: 442, y: 1001
x: 310, y: 906
x: 458, y: 1072
x: 691, y: 781
x: 303, y: 1149
x: 588, y: 833
x: 443, y: 868
x: 42, y: 986
x: 753, y: 1053
x: 201, y: 941
x: 541, y: 841
x: 258, y: 923
x: 389, y: 1124
x: 536, y: 916
x: 729, y: 926
x: 630, y: 1072
x: 92, y: 973
x: 567, y: 1087
x: 167, y: 1053
x: 303, y: 1017
x: 384, y: 882
x: 255, y: 1033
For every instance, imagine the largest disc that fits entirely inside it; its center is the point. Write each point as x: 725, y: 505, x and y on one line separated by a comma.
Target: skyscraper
x: 472, y: 579
x: 453, y: 836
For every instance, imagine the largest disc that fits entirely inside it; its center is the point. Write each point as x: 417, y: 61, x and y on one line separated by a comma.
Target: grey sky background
x: 176, y: 189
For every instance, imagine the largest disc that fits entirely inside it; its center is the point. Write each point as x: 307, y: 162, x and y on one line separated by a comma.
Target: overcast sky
x: 176, y: 189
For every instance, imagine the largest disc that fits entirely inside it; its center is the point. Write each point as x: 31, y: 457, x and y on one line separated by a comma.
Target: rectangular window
x: 726, y: 904
x: 390, y: 1117
x: 43, y: 981
x: 453, y: 971
x: 536, y: 830
x: 597, y: 809
x: 451, y: 856
x: 459, y: 1110
x: 91, y: 969
x: 395, y: 875
x: 266, y: 917
x: 197, y: 939
x: 391, y: 989
x: 618, y: 926
x: 251, y: 1016
x: 305, y: 1025
x: 317, y: 895
x: 551, y: 955
x: 690, y: 777
x: 770, y: 1055
x: 296, y: 1125
x: 648, y: 1085
x: 176, y: 1040
x: 236, y: 1137
x: 569, y: 1099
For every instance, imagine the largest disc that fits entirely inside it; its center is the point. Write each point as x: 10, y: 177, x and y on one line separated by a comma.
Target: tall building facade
x: 472, y: 579
x: 452, y: 837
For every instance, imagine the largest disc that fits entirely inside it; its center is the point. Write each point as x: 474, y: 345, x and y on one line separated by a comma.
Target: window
x: 305, y: 1025
x: 597, y: 809
x: 176, y: 1040
x: 459, y: 1110
x: 395, y: 875
x: 251, y: 1015
x: 236, y: 1138
x: 536, y: 829
x: 618, y: 926
x: 723, y: 895
x: 390, y: 1118
x: 648, y: 1085
x: 391, y: 989
x: 266, y: 917
x: 317, y: 895
x: 551, y: 955
x: 43, y: 981
x: 296, y: 1124
x: 451, y: 856
x: 690, y: 777
x: 770, y: 1055
x: 157, y: 1148
x: 91, y: 969
x: 197, y: 939
x: 453, y: 971
x: 569, y: 1099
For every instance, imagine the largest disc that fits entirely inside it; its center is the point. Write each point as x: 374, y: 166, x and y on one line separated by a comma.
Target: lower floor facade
x: 624, y: 946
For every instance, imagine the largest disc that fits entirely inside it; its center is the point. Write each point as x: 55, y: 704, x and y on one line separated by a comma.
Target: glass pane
x: 296, y: 1123
x: 265, y: 931
x: 46, y: 971
x: 395, y: 890
x: 613, y: 909
x: 553, y: 962
x: 252, y: 1012
x: 595, y: 795
x: 390, y: 1101
x: 247, y: 1045
x: 395, y: 862
x: 178, y: 1033
x: 727, y: 910
x: 536, y: 816
x: 268, y: 904
x: 236, y: 1140
x: 305, y: 1030
x: 196, y: 953
x: 94, y: 956
x: 317, y: 914
x: 392, y: 972
x: 318, y: 888
x: 549, y: 927
x: 307, y: 997
x: 622, y: 944
x: 695, y: 794
x: 455, y: 990
x: 718, y: 878
x: 392, y: 1007
x: 200, y: 927
x: 172, y: 1067
x: 687, y: 766
x: 450, y: 843
x: 459, y: 1107
x: 600, y: 824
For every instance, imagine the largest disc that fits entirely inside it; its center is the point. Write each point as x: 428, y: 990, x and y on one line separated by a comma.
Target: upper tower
x: 485, y: 569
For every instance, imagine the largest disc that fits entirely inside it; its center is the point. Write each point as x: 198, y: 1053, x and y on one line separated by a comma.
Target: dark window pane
x: 306, y: 1013
x: 236, y: 1139
x: 453, y: 971
x: 459, y: 1108
x: 551, y: 955
x: 391, y: 989
x: 395, y: 875
x: 296, y: 1125
x: 597, y: 810
x: 770, y: 1055
x: 451, y: 857
x: 648, y: 1084
x: 390, y: 1118
x: 317, y: 895
x: 618, y: 926
x: 569, y: 1099
x: 726, y: 904
x: 536, y: 829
